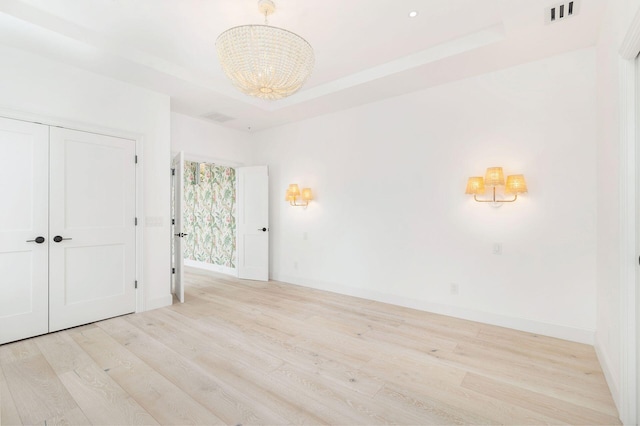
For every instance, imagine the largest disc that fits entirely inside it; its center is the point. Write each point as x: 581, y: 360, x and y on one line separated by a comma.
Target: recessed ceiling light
x: 413, y: 14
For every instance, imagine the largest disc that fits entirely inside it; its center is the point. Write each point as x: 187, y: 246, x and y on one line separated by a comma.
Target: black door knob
x: 38, y: 240
x: 262, y: 229
x: 58, y: 238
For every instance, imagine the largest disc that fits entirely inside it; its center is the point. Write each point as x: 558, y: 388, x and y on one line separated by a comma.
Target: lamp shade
x: 494, y: 177
x: 294, y: 190
x: 515, y: 184
x: 306, y: 194
x: 475, y: 185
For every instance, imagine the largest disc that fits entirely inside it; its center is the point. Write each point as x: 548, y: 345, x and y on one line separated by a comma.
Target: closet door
x: 24, y: 212
x: 92, y: 213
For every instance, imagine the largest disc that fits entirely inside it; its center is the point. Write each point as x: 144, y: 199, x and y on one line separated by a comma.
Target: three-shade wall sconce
x: 294, y: 195
x: 494, y: 178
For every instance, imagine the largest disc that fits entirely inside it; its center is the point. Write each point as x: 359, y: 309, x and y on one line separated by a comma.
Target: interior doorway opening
x: 209, y: 217
x: 203, y: 218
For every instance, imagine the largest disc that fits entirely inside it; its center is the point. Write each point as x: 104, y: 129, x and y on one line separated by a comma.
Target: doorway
x: 220, y: 220
x: 209, y: 216
x: 203, y: 208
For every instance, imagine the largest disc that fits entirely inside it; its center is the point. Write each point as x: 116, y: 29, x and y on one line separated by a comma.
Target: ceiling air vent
x: 218, y: 118
x: 562, y: 11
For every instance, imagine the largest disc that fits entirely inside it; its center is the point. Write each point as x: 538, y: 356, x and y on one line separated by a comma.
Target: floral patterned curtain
x: 209, y: 214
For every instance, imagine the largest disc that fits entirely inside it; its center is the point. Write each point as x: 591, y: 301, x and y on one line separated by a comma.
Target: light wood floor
x: 241, y: 352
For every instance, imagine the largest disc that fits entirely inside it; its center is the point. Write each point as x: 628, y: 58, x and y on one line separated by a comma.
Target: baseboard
x: 211, y: 267
x: 605, y: 364
x: 158, y: 302
x: 522, y: 324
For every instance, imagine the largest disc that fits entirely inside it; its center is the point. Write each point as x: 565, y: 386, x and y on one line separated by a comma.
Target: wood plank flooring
x: 242, y: 352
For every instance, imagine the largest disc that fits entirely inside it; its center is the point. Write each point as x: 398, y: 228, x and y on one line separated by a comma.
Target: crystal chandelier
x: 264, y: 61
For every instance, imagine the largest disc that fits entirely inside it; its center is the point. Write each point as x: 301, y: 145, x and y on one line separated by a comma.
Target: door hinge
x: 136, y: 284
x: 136, y: 158
x: 136, y: 221
x: 173, y: 270
x: 173, y: 172
x: 173, y: 221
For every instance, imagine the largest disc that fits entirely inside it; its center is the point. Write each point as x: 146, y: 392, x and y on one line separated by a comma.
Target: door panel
x: 24, y: 173
x: 93, y: 189
x: 253, y: 223
x: 178, y: 248
x: 92, y: 206
x: 109, y: 271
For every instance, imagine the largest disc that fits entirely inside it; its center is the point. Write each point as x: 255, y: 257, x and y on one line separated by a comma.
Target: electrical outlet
x: 497, y: 248
x: 454, y: 289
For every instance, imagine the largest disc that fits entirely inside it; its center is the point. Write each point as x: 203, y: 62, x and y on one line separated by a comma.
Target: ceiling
x: 366, y: 50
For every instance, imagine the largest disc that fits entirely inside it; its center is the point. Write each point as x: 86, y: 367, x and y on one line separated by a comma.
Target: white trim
x: 68, y: 124
x: 188, y: 156
x: 628, y: 95
x: 523, y: 324
x: 138, y: 139
x: 631, y: 44
x: 605, y: 364
x: 211, y: 267
x: 628, y: 261
x: 159, y: 302
x: 140, y: 305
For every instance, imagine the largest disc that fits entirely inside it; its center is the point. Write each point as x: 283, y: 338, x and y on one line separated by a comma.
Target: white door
x: 91, y: 228
x: 24, y: 212
x: 253, y: 222
x: 637, y: 304
x: 178, y: 250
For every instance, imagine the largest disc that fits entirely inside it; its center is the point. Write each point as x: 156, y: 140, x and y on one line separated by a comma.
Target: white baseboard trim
x: 211, y: 267
x: 523, y: 324
x: 158, y: 302
x: 605, y: 364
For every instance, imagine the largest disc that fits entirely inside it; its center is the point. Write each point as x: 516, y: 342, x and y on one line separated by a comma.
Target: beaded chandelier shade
x: 264, y: 61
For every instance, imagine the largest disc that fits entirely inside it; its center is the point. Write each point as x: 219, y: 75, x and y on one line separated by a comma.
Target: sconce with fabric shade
x: 293, y: 190
x: 515, y: 185
x: 306, y: 194
x: 293, y: 193
x: 494, y: 177
x: 475, y: 185
x: 198, y: 173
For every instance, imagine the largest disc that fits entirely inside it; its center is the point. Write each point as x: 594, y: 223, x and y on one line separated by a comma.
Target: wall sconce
x: 198, y: 173
x: 293, y: 193
x: 495, y: 177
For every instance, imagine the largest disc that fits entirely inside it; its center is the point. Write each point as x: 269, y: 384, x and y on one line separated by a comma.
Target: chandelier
x: 264, y: 61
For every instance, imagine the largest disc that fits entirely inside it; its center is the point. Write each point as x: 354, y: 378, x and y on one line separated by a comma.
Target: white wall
x: 608, y: 336
x: 30, y: 84
x: 204, y: 140
x: 391, y: 221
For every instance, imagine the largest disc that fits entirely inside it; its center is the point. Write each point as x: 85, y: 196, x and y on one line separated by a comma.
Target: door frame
x: 138, y: 139
x: 629, y: 223
x: 221, y: 162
